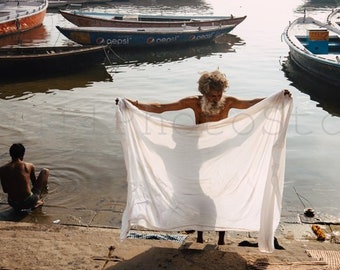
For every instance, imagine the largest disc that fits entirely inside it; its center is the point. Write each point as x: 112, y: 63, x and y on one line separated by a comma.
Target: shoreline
x: 26, y: 245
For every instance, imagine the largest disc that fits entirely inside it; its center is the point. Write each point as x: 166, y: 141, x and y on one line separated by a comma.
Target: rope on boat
x: 120, y: 58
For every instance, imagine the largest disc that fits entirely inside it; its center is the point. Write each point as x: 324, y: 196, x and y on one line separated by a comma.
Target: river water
x: 68, y: 123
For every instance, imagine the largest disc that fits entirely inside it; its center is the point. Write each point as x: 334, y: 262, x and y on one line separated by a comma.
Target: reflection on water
x: 321, y: 3
x: 223, y: 44
x: 15, y: 89
x: 27, y: 38
x: 328, y: 96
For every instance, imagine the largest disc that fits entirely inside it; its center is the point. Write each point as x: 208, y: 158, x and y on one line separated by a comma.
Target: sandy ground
x: 54, y: 246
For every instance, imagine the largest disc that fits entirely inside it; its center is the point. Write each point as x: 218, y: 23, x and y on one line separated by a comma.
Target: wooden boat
x: 47, y: 61
x: 143, y: 37
x: 334, y: 18
x: 98, y: 19
x: 315, y: 47
x: 20, y: 16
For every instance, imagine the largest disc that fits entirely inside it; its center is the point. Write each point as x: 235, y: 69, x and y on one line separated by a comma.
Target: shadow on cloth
x: 171, y: 258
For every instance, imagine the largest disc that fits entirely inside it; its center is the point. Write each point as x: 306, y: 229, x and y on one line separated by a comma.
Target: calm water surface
x: 68, y: 123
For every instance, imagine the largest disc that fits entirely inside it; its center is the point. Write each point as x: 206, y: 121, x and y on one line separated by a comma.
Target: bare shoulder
x: 28, y: 167
x: 189, y: 100
x: 231, y: 100
x: 29, y: 164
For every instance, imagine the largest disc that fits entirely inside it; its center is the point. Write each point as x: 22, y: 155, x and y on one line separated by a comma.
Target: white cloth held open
x: 216, y: 176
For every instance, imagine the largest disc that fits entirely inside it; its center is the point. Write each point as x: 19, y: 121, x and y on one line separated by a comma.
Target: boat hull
x: 141, y: 37
x: 84, y: 20
x: 48, y: 61
x: 25, y: 19
x: 326, y: 95
x: 317, y: 68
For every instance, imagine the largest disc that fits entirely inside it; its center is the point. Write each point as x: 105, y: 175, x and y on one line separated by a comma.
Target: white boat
x: 315, y: 47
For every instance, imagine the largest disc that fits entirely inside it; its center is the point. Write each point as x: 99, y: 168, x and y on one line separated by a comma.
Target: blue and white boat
x: 315, y: 47
x: 144, y: 37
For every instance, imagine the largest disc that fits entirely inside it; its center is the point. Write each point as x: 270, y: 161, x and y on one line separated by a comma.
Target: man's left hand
x: 286, y: 92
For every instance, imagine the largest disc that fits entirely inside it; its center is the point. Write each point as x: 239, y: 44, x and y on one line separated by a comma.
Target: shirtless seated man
x: 211, y: 105
x: 19, y: 181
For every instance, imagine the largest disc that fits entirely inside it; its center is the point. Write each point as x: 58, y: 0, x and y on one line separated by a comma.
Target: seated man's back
x: 15, y: 179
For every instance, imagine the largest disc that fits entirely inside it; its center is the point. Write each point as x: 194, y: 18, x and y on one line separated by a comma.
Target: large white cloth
x: 225, y: 175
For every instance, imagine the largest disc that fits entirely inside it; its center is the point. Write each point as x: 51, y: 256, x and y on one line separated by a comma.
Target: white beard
x: 210, y: 108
